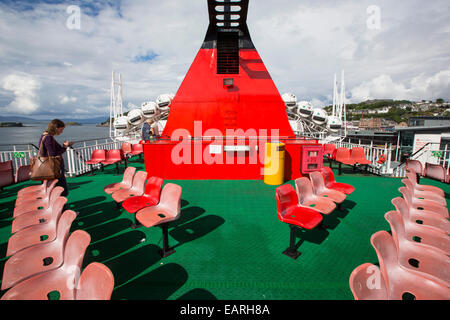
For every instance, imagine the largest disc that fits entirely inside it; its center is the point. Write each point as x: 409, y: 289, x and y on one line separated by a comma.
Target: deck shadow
x: 102, y: 231
x: 198, y: 294
x: 158, y: 284
x: 78, y: 205
x: 186, y: 215
x: 129, y: 265
x: 316, y: 235
x: 91, y: 220
x: 196, y: 229
x: 112, y: 247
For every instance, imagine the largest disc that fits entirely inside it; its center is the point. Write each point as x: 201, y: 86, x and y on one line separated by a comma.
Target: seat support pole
x: 291, y: 252
x: 166, y: 250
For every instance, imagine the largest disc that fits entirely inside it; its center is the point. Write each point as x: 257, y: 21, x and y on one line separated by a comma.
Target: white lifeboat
x: 149, y: 109
x: 319, y: 116
x: 334, y: 124
x: 136, y: 117
x: 290, y: 100
x: 304, y: 109
x: 163, y: 102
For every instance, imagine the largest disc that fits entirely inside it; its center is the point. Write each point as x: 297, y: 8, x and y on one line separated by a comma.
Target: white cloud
x: 65, y: 99
x: 419, y: 88
x: 301, y: 43
x: 25, y: 89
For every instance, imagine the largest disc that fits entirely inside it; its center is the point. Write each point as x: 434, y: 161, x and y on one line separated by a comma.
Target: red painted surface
x: 167, y: 160
x: 205, y: 107
x: 252, y: 103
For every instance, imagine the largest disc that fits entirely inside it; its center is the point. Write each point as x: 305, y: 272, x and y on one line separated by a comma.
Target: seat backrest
x: 382, y: 159
x: 128, y: 176
x: 317, y: 181
x: 328, y: 175
x: 367, y: 283
x: 415, y: 256
x: 6, y: 173
x: 171, y: 198
x: 137, y: 147
x: 96, y: 283
x: 286, y: 197
x: 153, y: 187
x: 55, y: 194
x: 342, y: 153
x: 98, y: 154
x: 23, y: 173
x: 357, y: 153
x: 435, y: 171
x: 401, y: 281
x: 139, y: 181
x: 304, y: 189
x: 114, y: 154
x: 409, y: 185
x: 401, y: 205
x: 416, y: 165
x: 126, y: 147
x: 407, y: 195
x: 75, y: 249
x: 328, y: 148
x: 57, y: 207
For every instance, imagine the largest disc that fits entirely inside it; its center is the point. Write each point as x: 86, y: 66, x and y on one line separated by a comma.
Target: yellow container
x: 274, y: 163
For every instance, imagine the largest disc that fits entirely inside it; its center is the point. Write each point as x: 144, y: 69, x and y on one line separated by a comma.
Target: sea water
x: 30, y: 133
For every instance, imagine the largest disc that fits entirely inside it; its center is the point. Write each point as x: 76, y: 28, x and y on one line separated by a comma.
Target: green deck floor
x: 228, y: 240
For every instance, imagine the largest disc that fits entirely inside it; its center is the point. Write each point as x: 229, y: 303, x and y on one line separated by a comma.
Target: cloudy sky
x: 55, y: 63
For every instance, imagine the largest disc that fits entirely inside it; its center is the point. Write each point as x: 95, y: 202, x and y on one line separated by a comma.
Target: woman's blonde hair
x: 54, y: 125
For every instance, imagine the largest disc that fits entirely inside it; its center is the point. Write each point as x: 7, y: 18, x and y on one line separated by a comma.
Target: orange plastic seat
x: 331, y: 183
x: 137, y: 149
x: 307, y: 198
x: 126, y: 148
x: 328, y: 149
x: 23, y: 173
x: 136, y: 189
x: 435, y: 171
x: 404, y: 283
x: 367, y: 283
x: 96, y: 283
x: 35, y: 192
x: 98, y: 156
x: 126, y: 182
x: 62, y: 281
x: 412, y: 176
x: 40, y: 217
x: 6, y: 174
x: 423, y: 234
x: 149, y: 198
x: 167, y: 210
x: 290, y: 212
x: 415, y: 165
x: 41, y: 233
x: 357, y: 154
x: 38, y: 205
x: 343, y: 155
x: 417, y: 256
x: 422, y: 204
x: 39, y: 258
x: 424, y: 195
x: 38, y: 188
x: 422, y: 217
x: 113, y: 157
x: 319, y: 188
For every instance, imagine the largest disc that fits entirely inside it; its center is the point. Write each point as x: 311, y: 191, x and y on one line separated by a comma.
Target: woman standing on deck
x: 51, y: 148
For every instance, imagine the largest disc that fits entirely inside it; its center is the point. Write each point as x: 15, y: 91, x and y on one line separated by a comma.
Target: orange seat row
x: 414, y: 260
x: 43, y: 257
x: 304, y: 206
x: 150, y: 202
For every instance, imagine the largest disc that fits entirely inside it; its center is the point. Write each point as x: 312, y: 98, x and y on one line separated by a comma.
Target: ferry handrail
x: 403, y: 162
